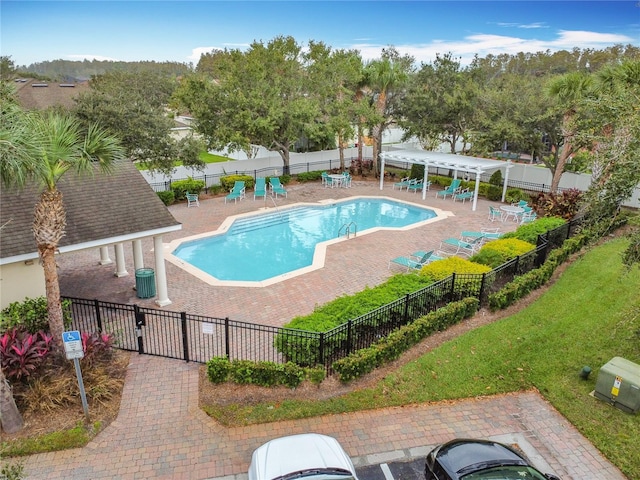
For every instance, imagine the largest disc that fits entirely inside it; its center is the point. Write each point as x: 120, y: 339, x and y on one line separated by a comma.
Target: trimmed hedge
x: 167, y: 197
x: 393, y: 345
x: 181, y: 187
x: 265, y: 374
x: 229, y: 181
x: 524, y: 284
x: 529, y: 232
x: 500, y: 251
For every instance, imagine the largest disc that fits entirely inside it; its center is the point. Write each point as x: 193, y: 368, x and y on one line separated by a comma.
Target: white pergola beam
x: 457, y: 163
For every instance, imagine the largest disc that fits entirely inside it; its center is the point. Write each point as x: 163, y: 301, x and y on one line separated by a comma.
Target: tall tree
x: 259, y: 96
x: 334, y: 77
x: 612, y: 132
x: 569, y: 89
x: 133, y: 106
x: 513, y: 110
x: 40, y: 148
x: 386, y: 79
x: 440, y: 104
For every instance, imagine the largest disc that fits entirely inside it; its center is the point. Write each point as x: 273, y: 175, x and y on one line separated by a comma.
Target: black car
x: 467, y: 459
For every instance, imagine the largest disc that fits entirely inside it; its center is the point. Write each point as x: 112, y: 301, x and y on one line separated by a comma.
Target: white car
x: 309, y: 455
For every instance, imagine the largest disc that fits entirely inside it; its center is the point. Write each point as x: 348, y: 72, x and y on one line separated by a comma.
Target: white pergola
x: 457, y: 163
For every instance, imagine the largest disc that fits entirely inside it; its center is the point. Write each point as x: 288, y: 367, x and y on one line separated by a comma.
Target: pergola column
x: 475, y: 192
x: 381, y: 172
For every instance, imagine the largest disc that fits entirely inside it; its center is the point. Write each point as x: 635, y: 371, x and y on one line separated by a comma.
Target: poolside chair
x: 192, y: 200
x: 495, y: 214
x: 463, y: 195
x: 450, y: 190
x: 324, y: 176
x: 417, y: 186
x: 403, y: 183
x: 346, y: 181
x: 237, y: 192
x: 411, y: 264
x: 432, y: 255
x: 276, y: 187
x: 260, y: 189
x: 521, y: 204
x: 468, y: 235
x: 528, y: 217
x: 461, y: 246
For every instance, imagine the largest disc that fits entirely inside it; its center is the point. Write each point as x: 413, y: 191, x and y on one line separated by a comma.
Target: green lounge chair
x: 403, y: 183
x: 237, y: 192
x: 468, y: 235
x: 417, y: 186
x: 276, y: 187
x: 432, y: 256
x: 463, y: 195
x: 467, y: 248
x: 450, y: 190
x: 260, y: 189
x: 411, y: 264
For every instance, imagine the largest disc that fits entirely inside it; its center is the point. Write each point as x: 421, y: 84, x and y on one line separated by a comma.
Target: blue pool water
x: 263, y: 246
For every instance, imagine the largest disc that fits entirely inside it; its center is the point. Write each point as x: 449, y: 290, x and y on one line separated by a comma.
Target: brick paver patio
x: 161, y: 433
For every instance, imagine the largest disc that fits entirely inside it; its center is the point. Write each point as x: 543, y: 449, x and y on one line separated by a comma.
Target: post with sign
x: 74, y: 351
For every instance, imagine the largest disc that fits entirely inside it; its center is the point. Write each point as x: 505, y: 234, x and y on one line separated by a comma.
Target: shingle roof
x: 101, y: 210
x: 55, y: 93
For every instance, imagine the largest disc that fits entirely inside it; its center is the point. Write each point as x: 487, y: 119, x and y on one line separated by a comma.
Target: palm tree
x: 382, y: 76
x: 40, y: 148
x: 569, y: 89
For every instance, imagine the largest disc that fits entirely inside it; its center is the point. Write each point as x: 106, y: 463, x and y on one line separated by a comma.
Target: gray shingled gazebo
x: 457, y: 163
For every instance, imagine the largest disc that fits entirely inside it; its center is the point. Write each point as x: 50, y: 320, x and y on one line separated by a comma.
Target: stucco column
x: 138, y: 258
x: 381, y: 172
x: 104, y: 256
x: 121, y: 268
x: 161, y: 273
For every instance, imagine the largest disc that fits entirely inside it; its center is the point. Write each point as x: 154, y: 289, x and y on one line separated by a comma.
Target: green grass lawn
x: 206, y: 157
x: 590, y: 315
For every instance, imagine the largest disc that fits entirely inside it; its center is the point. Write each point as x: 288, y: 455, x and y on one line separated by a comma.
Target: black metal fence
x: 195, y: 338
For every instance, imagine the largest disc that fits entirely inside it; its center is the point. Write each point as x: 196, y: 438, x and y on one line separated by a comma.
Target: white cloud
x: 197, y: 52
x: 485, y: 44
x: 533, y: 25
x: 581, y: 37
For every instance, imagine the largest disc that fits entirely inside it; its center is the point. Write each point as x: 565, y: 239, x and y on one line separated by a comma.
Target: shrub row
x: 31, y: 315
x: 393, y: 345
x: 265, y: 374
x: 533, y: 279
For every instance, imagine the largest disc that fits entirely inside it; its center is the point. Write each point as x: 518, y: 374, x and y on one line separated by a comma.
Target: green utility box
x: 619, y: 384
x: 145, y: 283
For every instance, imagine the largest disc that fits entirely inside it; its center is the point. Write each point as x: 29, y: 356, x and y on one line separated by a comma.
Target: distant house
x: 38, y: 95
x: 102, y: 211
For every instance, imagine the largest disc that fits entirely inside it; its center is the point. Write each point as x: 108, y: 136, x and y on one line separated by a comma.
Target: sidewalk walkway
x: 161, y: 433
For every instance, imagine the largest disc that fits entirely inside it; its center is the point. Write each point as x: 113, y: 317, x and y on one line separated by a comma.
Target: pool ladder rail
x: 348, y: 229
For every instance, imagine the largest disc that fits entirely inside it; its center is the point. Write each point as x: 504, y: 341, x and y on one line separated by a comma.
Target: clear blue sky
x: 34, y: 31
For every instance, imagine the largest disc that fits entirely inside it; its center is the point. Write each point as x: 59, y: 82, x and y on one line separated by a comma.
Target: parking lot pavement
x: 409, y: 465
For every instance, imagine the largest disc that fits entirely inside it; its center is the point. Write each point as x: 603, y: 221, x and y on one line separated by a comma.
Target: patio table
x: 511, y: 211
x: 336, y: 179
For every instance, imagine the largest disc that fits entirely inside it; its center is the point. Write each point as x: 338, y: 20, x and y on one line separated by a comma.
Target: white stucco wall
x: 19, y: 281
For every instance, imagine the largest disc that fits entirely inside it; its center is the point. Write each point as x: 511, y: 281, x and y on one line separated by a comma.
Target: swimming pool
x: 259, y: 249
